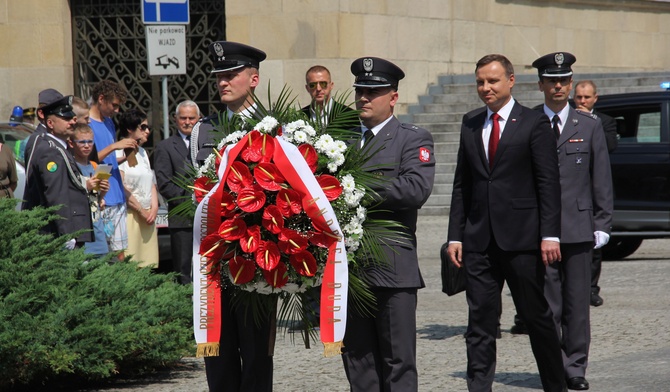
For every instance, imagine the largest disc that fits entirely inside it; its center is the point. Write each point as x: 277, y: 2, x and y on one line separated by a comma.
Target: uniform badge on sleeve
x: 52, y: 166
x: 424, y: 154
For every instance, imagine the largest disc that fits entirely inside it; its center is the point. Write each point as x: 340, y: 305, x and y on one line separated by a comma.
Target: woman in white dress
x: 141, y: 192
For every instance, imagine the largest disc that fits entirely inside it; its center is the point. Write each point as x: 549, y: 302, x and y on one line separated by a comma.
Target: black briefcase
x: 453, y: 278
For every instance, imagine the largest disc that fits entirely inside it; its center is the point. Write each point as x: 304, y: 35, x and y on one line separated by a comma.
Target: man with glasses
x: 54, y: 178
x: 319, y: 85
x: 107, y: 97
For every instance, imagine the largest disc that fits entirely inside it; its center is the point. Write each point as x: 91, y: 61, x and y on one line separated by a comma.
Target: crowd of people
x: 532, y: 198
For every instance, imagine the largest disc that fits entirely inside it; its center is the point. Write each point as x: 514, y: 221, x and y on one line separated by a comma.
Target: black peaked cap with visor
x: 374, y: 72
x: 555, y: 65
x: 229, y: 56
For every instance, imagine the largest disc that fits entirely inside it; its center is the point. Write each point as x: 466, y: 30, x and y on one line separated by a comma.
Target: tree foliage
x: 66, y: 317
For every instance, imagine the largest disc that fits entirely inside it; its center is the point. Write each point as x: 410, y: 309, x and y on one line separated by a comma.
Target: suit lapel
x: 180, y: 147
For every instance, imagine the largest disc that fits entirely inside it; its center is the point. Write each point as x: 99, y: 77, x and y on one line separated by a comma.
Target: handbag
x: 453, y: 277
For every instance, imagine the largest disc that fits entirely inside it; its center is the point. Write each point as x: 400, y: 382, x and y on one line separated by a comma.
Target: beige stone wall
x: 431, y: 37
x: 35, y: 51
x: 424, y: 37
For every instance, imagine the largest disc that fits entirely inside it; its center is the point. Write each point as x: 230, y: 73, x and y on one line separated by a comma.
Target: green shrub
x: 65, y: 317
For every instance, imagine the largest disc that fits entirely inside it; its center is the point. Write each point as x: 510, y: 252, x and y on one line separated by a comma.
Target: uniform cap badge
x: 368, y: 65
x: 559, y: 58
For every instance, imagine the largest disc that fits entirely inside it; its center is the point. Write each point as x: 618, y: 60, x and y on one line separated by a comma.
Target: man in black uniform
x: 55, y: 178
x: 245, y: 356
x: 380, y: 349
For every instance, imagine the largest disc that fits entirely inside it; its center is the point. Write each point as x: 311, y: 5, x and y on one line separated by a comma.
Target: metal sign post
x: 165, y: 28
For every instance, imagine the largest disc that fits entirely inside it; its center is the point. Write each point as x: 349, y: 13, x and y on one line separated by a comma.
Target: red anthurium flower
x: 311, y: 156
x: 249, y: 243
x: 201, y: 187
x: 289, y: 202
x: 259, y: 147
x: 227, y: 205
x: 239, y: 176
x: 330, y: 185
x: 304, y: 263
x: 293, y: 243
x: 286, y: 233
x: 242, y: 270
x: 213, y: 247
x: 232, y: 229
x: 278, y: 276
x: 273, y: 220
x: 251, y: 199
x: 250, y: 152
x: 268, y: 176
x: 267, y: 255
x: 322, y: 239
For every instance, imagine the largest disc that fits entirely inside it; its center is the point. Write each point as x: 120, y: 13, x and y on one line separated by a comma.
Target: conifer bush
x: 65, y: 316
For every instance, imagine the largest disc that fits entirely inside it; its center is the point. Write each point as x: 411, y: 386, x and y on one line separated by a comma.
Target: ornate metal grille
x: 109, y: 43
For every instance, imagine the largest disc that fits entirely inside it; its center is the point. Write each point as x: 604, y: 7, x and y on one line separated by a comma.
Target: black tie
x: 555, y: 121
x: 369, y: 135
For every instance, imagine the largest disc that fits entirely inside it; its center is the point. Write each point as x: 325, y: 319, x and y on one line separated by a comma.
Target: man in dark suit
x: 54, y: 177
x: 585, y: 97
x: 246, y: 347
x: 380, y: 349
x: 586, y: 212
x: 172, y: 161
x: 504, y: 223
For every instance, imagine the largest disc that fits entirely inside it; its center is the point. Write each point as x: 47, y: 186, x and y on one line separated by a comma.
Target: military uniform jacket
x: 205, y: 136
x: 55, y: 179
x: 409, y: 165
x: 586, y: 179
x: 172, y: 160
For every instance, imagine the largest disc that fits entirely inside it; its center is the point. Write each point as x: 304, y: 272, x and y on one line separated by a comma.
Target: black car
x: 640, y: 169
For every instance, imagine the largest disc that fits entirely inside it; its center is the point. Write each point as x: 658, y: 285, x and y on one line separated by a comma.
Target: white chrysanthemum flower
x: 351, y: 244
x: 309, y: 130
x: 332, y: 167
x: 300, y: 137
x: 348, y: 183
x: 267, y: 124
x: 341, y: 146
x: 339, y: 159
x: 361, y: 213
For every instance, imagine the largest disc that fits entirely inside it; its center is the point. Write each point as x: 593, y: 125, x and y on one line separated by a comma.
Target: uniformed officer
x: 379, y: 351
x: 245, y: 356
x: 54, y: 177
x: 235, y: 66
x: 586, y: 212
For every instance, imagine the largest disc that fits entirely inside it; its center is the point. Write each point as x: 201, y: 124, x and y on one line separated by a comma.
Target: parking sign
x: 165, y: 11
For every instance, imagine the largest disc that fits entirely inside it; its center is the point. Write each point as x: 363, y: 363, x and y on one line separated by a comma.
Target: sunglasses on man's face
x: 145, y: 127
x: 83, y: 142
x: 312, y: 85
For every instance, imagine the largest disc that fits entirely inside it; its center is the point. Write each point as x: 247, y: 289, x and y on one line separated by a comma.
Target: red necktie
x: 494, y: 138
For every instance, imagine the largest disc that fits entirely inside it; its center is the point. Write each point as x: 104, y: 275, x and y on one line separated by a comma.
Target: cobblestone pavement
x: 630, y: 348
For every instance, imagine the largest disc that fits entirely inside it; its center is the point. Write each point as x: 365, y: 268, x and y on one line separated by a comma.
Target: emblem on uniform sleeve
x: 52, y: 166
x: 367, y: 65
x: 424, y: 154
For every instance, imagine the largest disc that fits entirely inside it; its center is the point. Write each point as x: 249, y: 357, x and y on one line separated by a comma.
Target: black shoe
x: 578, y: 384
x: 596, y: 300
x: 519, y: 328
x: 498, y: 333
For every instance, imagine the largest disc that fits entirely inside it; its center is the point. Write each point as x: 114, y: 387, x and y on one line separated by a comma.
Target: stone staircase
x: 441, y: 110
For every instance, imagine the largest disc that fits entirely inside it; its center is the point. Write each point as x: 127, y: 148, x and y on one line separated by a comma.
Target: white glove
x: 70, y: 244
x: 601, y: 238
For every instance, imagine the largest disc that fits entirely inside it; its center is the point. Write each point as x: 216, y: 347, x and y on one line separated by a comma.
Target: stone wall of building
x: 424, y: 37
x: 35, y: 51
